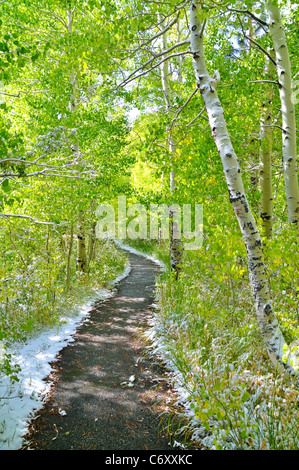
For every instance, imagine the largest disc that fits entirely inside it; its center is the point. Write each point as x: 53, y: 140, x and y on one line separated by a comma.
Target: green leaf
x: 5, y: 185
x: 245, y: 396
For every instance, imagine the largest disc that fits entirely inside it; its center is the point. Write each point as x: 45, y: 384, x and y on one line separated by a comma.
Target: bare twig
x: 247, y: 12
x: 256, y: 43
x: 35, y: 221
x: 125, y: 82
x: 197, y: 117
x: 182, y: 107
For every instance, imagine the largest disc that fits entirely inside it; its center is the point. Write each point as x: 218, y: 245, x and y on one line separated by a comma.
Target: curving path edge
x: 107, y: 393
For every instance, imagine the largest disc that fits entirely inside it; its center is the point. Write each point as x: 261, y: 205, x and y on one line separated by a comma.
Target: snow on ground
x: 137, y: 252
x: 20, y: 400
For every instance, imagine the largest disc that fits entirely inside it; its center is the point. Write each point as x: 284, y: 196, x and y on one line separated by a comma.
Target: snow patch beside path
x: 140, y: 253
x: 20, y: 400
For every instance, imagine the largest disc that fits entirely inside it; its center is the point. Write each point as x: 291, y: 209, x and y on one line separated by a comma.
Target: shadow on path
x: 111, y: 392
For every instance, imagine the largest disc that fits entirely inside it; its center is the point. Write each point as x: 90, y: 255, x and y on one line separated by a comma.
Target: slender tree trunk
x: 81, y: 245
x: 175, y: 243
x: 283, y: 67
x: 91, y: 245
x: 91, y: 238
x: 279, y: 352
x: 48, y: 247
x: 266, y: 137
x: 69, y: 255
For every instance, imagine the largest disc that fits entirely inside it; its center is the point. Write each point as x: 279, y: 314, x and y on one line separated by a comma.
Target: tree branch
x: 256, y: 43
x: 55, y: 16
x: 182, y: 107
x: 196, y: 117
x: 247, y: 12
x: 125, y: 82
x: 157, y: 56
x: 26, y: 217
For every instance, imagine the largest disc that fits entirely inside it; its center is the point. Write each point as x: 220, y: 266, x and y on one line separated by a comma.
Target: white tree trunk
x: 288, y: 112
x: 276, y: 346
x: 266, y: 138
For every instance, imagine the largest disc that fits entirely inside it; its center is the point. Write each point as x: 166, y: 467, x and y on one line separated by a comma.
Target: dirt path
x: 92, y: 404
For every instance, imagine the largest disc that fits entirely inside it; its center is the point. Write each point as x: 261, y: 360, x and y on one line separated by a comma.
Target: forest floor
x: 108, y: 392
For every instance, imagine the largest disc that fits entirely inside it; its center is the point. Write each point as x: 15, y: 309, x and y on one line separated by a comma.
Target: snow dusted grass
x: 225, y: 380
x: 33, y: 356
x: 205, y: 331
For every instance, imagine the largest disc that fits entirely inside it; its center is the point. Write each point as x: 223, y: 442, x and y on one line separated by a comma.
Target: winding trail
x: 107, y: 393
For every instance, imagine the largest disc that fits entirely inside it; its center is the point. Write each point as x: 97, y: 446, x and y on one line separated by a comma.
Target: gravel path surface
x: 107, y: 393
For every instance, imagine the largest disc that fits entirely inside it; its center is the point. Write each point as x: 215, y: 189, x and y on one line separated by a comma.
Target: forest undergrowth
x: 205, y: 331
x: 34, y: 295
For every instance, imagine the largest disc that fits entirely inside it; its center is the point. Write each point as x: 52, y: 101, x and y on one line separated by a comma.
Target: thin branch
x: 178, y: 8
x: 159, y: 55
x: 8, y: 94
x: 125, y: 82
x: 55, y: 16
x: 256, y: 43
x: 247, y: 12
x: 203, y: 28
x: 264, y: 81
x: 158, y: 34
x: 196, y: 117
x: 26, y: 217
x: 182, y: 107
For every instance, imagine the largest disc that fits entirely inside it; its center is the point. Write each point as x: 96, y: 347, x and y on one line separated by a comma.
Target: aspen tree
x: 81, y: 245
x: 69, y: 254
x: 282, y: 356
x: 289, y: 154
x: 81, y: 248
x: 175, y: 245
x: 266, y: 137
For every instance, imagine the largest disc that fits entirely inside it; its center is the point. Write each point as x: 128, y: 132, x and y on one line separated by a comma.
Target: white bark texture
x: 266, y: 138
x: 288, y: 112
x: 275, y: 343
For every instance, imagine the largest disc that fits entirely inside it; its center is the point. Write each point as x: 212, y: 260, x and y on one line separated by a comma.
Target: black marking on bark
x: 265, y: 216
x: 194, y: 27
x: 259, y: 287
x: 267, y: 309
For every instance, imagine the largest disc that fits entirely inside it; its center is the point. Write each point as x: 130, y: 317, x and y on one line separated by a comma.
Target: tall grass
x: 205, y: 331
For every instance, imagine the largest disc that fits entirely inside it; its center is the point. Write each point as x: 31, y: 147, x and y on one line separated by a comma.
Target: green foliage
x: 62, y: 85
